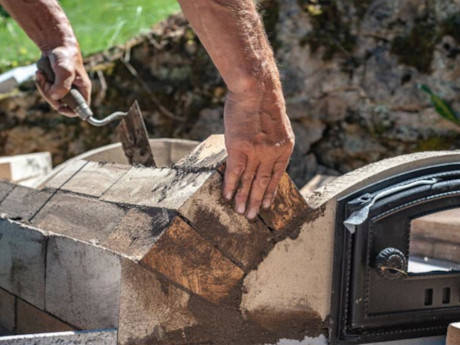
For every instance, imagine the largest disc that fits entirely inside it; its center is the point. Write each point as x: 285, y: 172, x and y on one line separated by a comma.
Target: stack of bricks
x: 155, y: 252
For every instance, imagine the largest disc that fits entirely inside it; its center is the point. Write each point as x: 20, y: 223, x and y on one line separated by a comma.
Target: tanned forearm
x: 46, y: 24
x: 233, y: 35
x: 258, y: 134
x: 44, y: 21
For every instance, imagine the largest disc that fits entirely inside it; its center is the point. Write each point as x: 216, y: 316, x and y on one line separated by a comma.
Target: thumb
x: 64, y: 77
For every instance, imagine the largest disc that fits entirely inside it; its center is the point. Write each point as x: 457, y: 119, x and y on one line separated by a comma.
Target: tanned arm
x: 46, y: 24
x: 258, y: 134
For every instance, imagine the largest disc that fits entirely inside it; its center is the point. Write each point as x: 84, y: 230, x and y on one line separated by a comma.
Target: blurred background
x: 363, y: 79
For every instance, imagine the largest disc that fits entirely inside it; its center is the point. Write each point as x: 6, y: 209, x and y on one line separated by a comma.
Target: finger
x: 83, y: 84
x: 43, y: 88
x: 64, y: 77
x: 236, y: 163
x: 242, y: 194
x: 259, y: 186
x: 278, y: 170
x: 67, y: 111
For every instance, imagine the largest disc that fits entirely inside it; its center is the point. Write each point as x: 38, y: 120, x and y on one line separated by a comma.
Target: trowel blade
x: 134, y: 138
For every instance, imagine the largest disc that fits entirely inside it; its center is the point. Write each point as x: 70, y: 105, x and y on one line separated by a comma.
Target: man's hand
x: 67, y: 65
x: 259, y: 142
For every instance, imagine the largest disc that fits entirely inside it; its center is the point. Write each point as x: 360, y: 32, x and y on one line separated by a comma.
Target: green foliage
x: 441, y: 106
x: 98, y: 25
x: 3, y: 13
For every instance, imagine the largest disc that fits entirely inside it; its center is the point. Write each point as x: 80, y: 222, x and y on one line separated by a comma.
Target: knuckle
x: 263, y: 180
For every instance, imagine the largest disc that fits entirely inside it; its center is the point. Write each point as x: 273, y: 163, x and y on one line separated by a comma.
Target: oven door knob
x: 391, y: 263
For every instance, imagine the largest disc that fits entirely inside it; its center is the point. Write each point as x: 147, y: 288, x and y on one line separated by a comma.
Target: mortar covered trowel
x: 132, y: 130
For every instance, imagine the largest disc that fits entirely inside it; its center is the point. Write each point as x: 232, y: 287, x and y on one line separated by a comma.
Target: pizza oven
x: 396, y: 262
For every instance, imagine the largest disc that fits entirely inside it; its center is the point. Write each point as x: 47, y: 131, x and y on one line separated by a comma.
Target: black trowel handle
x: 74, y: 100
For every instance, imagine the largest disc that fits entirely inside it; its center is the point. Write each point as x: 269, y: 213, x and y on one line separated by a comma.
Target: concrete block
x: 214, y: 218
x: 162, y: 188
x: 186, y: 258
x: 106, y: 337
x: 22, y: 261
x: 82, y: 284
x: 22, y: 203
x: 7, y: 311
x: 33, y: 320
x: 24, y: 167
x: 86, y: 219
x: 95, y: 178
x: 150, y: 308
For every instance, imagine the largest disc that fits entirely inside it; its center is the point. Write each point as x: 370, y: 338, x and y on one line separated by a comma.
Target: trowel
x: 132, y: 130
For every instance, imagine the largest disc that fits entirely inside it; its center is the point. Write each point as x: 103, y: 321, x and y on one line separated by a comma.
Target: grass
x: 98, y: 24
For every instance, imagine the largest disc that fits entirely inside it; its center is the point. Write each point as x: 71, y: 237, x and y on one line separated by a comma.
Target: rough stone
x: 22, y: 261
x: 82, y: 284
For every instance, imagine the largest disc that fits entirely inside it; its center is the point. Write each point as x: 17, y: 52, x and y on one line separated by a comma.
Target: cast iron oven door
x: 376, y: 295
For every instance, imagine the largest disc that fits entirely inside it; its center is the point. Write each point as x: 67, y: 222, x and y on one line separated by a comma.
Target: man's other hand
x: 67, y: 65
x: 259, y: 141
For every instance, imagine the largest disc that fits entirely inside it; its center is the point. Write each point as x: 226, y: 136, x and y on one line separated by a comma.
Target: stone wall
x: 350, y: 70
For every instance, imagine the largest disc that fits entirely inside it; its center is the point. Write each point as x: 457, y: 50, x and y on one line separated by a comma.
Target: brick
x: 23, y: 203
x: 65, y: 174
x: 5, y: 189
x: 185, y: 257
x: 289, y: 209
x: 95, y: 178
x: 86, y: 219
x: 33, y: 320
x: 210, y: 154
x: 138, y: 231
x: 162, y: 188
x: 214, y: 218
x: 22, y: 261
x: 105, y: 337
x: 82, y: 284
x: 20, y: 168
x: 453, y: 334
x: 446, y: 251
x: 443, y: 226
x: 150, y: 308
x: 7, y: 311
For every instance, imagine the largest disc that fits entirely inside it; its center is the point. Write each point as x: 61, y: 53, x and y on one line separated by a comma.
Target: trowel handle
x: 74, y: 99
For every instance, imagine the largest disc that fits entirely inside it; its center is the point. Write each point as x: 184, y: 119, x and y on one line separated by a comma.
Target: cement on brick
x: 23, y: 203
x: 86, y: 219
x: 209, y: 154
x: 33, y: 320
x: 22, y: 261
x: 65, y: 174
x: 104, y: 337
x: 161, y: 187
x: 5, y: 189
x: 150, y: 308
x: 7, y: 311
x: 82, y: 284
x: 95, y: 178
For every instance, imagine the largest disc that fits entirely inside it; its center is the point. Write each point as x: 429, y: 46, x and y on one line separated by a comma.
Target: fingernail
x: 240, y: 208
x: 228, y: 195
x: 253, y: 213
x: 267, y: 203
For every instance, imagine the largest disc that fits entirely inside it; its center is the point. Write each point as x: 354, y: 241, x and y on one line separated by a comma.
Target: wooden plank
x: 82, y: 284
x: 95, y: 178
x: 151, y: 308
x: 134, y: 138
x: 86, y: 219
x: 246, y: 242
x: 22, y: 203
x: 32, y: 320
x: 186, y: 258
x: 22, y: 261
